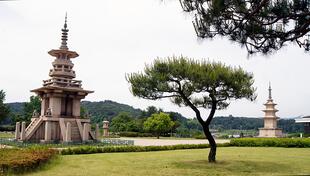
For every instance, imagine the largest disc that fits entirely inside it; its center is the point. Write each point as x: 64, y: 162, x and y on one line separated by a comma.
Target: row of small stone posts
x: 86, y: 130
x: 20, y: 131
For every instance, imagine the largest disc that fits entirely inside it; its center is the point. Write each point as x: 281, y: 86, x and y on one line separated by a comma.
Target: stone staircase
x: 32, y: 127
x: 32, y: 123
x: 75, y: 132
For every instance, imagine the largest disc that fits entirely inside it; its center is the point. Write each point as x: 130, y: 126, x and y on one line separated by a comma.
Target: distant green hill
x: 108, y: 109
x: 16, y: 107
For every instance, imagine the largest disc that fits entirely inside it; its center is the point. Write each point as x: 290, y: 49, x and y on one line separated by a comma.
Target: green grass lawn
x: 231, y: 161
x: 6, y: 135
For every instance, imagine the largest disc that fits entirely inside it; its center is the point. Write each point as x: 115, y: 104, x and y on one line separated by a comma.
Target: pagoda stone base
x: 270, y: 132
x: 50, y: 129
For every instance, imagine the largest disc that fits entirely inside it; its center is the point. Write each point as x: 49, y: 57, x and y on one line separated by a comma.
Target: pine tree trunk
x: 212, y: 143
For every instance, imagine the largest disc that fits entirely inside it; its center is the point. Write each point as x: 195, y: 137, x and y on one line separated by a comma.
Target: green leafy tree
x: 259, y: 25
x: 16, y: 117
x: 124, y: 122
x: 4, y: 109
x: 196, y: 84
x: 150, y: 110
x: 29, y: 107
x: 158, y: 124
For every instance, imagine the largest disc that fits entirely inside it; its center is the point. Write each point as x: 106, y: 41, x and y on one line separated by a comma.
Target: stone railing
x: 63, y: 82
x: 62, y: 72
x: 117, y: 142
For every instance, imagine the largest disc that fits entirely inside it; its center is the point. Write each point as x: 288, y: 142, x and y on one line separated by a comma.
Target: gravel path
x: 161, y: 142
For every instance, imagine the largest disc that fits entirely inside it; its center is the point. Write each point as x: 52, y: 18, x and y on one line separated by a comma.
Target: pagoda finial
x: 64, y: 36
x: 270, y: 97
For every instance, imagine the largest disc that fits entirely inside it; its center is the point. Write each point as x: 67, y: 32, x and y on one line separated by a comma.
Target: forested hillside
x: 107, y: 110
x: 250, y: 123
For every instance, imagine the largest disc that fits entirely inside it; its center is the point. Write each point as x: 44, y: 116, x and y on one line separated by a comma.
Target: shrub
x: 271, y: 142
x: 112, y: 149
x: 135, y: 134
x: 128, y: 134
x: 199, y: 136
x: 21, y: 160
x: 7, y: 128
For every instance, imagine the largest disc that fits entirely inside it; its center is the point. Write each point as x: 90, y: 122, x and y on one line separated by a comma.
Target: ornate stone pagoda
x: 270, y: 120
x: 60, y: 119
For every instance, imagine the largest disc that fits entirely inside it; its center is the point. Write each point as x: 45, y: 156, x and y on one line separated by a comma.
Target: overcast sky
x: 118, y: 37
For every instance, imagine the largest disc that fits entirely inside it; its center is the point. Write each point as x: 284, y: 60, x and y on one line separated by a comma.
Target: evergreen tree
x: 259, y: 25
x: 4, y: 109
x: 194, y: 84
x: 29, y: 107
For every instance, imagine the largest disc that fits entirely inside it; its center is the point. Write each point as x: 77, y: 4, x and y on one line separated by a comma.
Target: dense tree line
x: 4, y: 109
x: 184, y: 127
x: 247, y: 123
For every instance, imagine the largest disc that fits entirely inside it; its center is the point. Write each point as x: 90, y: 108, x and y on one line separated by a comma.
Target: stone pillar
x: 17, y: 130
x: 55, y: 105
x: 68, y: 132
x: 76, y: 108
x: 48, y: 131
x: 23, y: 131
x: 43, y: 106
x: 85, y: 131
x: 105, y: 128
x: 97, y: 132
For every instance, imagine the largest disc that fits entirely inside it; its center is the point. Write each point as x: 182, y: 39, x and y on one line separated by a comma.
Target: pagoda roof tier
x: 60, y: 52
x: 48, y: 89
x: 270, y: 110
x: 270, y: 103
x: 62, y: 62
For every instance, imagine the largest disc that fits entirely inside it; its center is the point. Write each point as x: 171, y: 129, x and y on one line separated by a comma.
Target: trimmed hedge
x: 271, y: 142
x: 22, y: 160
x: 113, y: 149
x: 135, y: 134
x: 7, y: 127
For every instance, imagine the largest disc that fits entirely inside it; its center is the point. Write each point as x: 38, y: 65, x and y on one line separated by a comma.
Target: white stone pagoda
x: 270, y: 120
x: 60, y: 119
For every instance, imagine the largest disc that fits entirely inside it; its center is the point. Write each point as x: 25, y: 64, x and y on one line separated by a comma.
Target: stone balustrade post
x: 85, y: 131
x: 23, y: 131
x: 68, y: 132
x: 48, y: 131
x: 17, y: 131
x: 97, y: 132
